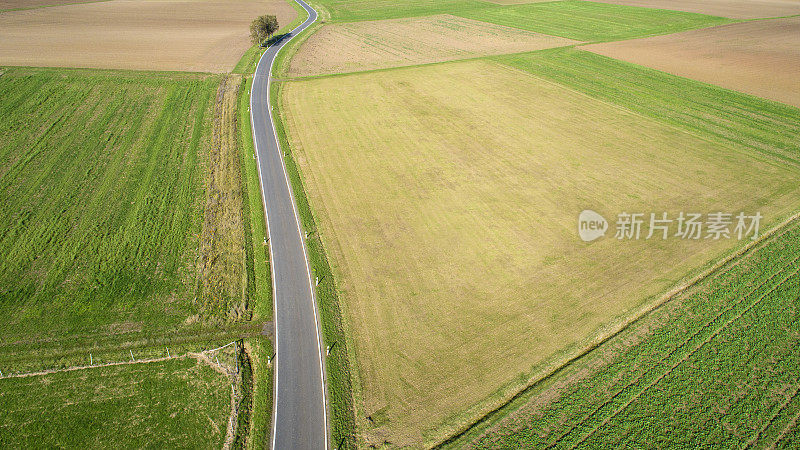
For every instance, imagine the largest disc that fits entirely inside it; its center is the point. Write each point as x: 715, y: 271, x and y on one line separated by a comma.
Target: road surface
x: 299, y: 414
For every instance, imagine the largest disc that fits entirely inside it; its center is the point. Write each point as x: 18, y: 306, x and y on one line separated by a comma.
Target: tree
x: 263, y: 28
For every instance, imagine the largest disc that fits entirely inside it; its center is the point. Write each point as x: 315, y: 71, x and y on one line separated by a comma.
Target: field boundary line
x: 632, y: 318
x: 194, y: 355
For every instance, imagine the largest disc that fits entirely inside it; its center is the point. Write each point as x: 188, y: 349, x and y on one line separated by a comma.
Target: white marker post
x: 132, y: 358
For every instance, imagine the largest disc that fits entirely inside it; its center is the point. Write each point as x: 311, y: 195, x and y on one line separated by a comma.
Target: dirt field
x: 735, y: 9
x: 350, y: 47
x: 759, y: 58
x: 26, y: 4
x: 193, y: 35
x: 447, y: 198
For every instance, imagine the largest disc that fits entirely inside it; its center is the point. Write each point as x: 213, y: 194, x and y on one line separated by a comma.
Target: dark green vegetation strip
x: 717, y: 366
x: 177, y: 402
x: 100, y: 200
x: 261, y: 351
x: 245, y: 384
x: 337, y: 364
x: 258, y: 268
x: 358, y: 10
x: 589, y: 21
x: 731, y: 118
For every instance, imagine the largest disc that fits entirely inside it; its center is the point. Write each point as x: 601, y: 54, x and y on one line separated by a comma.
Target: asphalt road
x: 299, y: 415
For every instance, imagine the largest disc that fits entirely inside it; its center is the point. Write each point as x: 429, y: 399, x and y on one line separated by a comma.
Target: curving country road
x: 299, y: 415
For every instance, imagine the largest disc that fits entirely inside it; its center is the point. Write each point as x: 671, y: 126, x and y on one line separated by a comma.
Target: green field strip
x: 731, y: 118
x: 590, y: 21
x: 682, y: 359
x: 359, y: 10
x: 176, y: 402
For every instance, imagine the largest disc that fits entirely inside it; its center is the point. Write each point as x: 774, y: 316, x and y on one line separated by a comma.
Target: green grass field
x: 101, y: 201
x: 446, y: 197
x: 717, y: 366
x: 589, y: 21
x: 356, y: 10
x: 178, y: 402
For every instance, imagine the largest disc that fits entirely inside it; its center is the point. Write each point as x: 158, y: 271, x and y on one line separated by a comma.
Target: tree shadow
x: 274, y: 40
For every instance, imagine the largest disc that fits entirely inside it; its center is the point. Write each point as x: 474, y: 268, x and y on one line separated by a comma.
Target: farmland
x: 356, y: 46
x: 737, y: 56
x: 433, y: 190
x: 736, y: 9
x: 97, y: 233
x: 589, y: 21
x: 355, y: 10
x: 208, y: 36
x: 718, y: 364
x: 710, y: 112
x: 126, y: 237
x: 178, y: 402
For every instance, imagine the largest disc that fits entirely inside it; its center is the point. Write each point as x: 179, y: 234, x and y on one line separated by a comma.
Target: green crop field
x: 101, y: 201
x: 356, y: 10
x: 589, y: 21
x: 446, y: 196
x: 717, y: 366
x: 128, y: 232
x: 178, y: 402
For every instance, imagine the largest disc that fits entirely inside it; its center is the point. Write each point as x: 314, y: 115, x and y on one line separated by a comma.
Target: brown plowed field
x: 735, y: 9
x: 759, y: 58
x: 193, y: 35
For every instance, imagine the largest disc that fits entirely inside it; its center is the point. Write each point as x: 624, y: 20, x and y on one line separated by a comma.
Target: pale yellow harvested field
x: 188, y: 35
x: 350, y: 47
x: 761, y: 58
x: 447, y: 198
x: 735, y: 9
